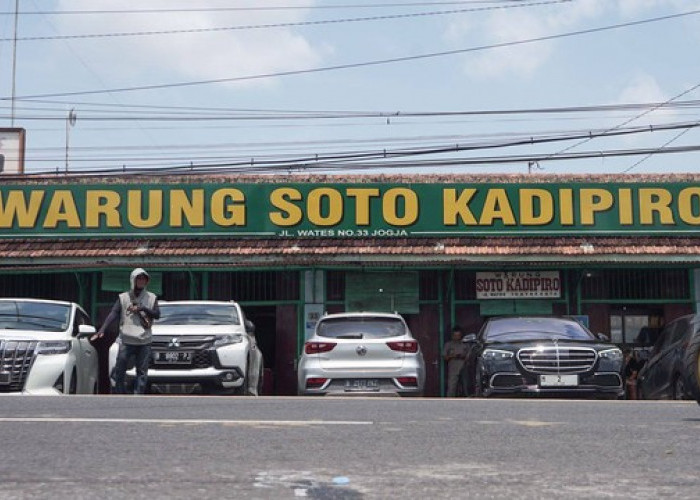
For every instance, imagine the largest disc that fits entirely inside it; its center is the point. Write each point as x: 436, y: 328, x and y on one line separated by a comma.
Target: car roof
x: 198, y: 302
x: 38, y: 301
x: 362, y: 314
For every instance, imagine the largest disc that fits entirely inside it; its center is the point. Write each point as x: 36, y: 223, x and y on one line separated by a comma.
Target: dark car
x: 691, y: 366
x: 662, y: 375
x: 545, y: 356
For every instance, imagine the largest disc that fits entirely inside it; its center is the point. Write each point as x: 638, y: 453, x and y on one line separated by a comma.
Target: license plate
x: 558, y: 380
x: 361, y: 384
x: 4, y: 378
x: 172, y: 357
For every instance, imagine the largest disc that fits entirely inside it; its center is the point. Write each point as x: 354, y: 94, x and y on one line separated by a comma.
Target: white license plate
x: 558, y: 380
x: 361, y: 384
x: 172, y: 357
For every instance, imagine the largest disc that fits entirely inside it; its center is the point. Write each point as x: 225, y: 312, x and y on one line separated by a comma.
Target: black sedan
x: 544, y: 356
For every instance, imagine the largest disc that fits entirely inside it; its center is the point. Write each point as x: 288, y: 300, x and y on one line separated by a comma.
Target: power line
x: 309, y: 165
x: 630, y: 120
x: 189, y: 112
x: 662, y: 147
x: 281, y: 25
x: 362, y: 64
x: 385, y: 154
x: 265, y: 8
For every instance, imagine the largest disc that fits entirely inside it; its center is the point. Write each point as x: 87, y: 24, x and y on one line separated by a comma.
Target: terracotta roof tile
x: 77, y: 178
x: 247, y: 252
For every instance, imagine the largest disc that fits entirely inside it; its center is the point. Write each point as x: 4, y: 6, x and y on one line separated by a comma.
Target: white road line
x: 299, y: 423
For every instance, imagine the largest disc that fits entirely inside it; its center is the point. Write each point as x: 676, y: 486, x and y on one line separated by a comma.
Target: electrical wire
x: 281, y: 25
x: 258, y: 8
x: 303, y: 167
x: 346, y: 66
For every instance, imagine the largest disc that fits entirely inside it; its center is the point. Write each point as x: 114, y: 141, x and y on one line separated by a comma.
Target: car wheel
x: 243, y: 389
x: 260, y: 377
x: 691, y: 367
x: 73, y: 387
x: 678, y: 388
x: 479, y: 382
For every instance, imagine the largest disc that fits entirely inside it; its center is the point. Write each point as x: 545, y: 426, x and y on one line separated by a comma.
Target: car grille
x: 203, y: 354
x: 560, y: 359
x: 16, y: 358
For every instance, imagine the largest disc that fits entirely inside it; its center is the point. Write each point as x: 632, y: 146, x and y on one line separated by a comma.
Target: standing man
x: 455, y: 353
x: 136, y: 310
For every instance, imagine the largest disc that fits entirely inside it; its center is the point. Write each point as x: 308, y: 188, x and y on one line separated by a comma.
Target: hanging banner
x: 518, y: 285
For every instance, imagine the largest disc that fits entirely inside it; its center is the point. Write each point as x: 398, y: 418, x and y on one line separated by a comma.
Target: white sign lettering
x: 518, y: 285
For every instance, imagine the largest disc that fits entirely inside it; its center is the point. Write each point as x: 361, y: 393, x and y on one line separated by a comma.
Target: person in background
x: 136, y: 310
x: 455, y: 353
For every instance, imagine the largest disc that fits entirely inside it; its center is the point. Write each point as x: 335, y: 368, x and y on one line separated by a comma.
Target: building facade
x: 620, y: 253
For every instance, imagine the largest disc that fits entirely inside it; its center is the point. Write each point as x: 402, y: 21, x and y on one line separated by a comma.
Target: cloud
x: 195, y: 56
x: 642, y: 88
x: 513, y: 24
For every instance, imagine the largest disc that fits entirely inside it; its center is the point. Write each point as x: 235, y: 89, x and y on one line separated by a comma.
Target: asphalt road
x: 226, y: 447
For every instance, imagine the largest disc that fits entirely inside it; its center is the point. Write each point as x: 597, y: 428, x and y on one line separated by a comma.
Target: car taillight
x: 315, y: 382
x: 316, y: 347
x: 404, y: 346
x: 407, y: 381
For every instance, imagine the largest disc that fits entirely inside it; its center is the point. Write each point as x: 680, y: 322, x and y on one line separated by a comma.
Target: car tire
x: 678, y: 388
x: 243, y: 389
x: 691, y: 367
x: 73, y: 386
x: 260, y: 377
x: 479, y: 381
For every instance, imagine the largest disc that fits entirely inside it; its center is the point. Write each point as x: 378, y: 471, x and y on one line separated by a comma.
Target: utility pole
x: 70, y: 121
x: 14, y: 64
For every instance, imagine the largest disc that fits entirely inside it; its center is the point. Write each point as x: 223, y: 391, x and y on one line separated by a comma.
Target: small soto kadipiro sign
x: 518, y: 285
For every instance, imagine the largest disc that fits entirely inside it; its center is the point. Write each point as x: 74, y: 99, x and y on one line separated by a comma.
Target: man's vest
x: 131, y: 329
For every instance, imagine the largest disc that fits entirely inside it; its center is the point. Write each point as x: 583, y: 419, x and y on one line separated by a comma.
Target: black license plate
x: 4, y: 378
x: 172, y: 357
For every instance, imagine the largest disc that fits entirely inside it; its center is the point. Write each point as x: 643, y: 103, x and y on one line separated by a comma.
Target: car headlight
x: 496, y: 354
x: 614, y: 354
x: 222, y: 340
x: 53, y: 347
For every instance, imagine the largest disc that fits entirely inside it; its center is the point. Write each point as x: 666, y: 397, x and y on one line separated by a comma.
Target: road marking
x: 165, y: 421
x: 533, y: 423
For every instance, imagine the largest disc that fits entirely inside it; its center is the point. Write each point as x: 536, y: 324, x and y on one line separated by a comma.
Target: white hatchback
x: 45, y: 348
x: 361, y: 354
x: 201, y: 346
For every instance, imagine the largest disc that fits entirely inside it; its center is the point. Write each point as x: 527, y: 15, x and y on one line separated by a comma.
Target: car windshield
x: 37, y: 316
x: 198, y: 314
x: 361, y: 328
x: 516, y: 329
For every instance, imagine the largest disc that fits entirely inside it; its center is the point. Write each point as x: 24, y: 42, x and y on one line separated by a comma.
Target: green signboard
x: 352, y: 210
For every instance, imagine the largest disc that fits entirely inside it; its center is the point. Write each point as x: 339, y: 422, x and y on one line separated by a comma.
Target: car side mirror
x: 249, y: 327
x: 603, y: 337
x: 469, y: 338
x: 86, y: 331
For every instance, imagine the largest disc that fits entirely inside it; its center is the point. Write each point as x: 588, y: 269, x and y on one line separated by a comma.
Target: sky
x: 348, y: 86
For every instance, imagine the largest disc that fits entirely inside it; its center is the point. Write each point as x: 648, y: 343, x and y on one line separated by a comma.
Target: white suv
x: 45, y: 348
x: 202, y: 346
